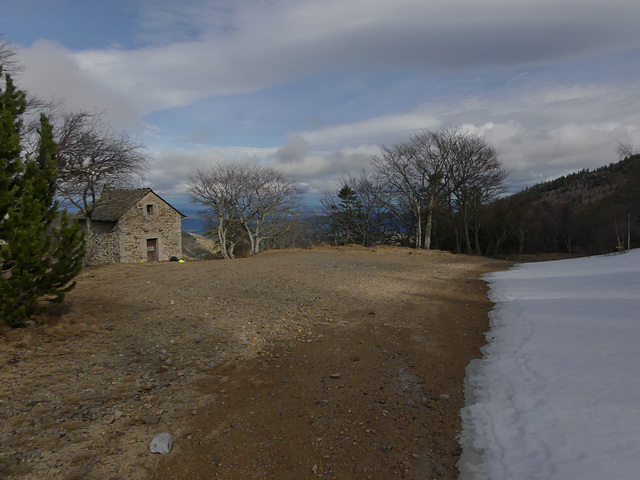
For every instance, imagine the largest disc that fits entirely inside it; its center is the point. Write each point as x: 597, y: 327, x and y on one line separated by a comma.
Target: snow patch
x: 557, y: 392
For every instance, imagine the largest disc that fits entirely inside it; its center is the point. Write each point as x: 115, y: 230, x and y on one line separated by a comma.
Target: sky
x: 314, y: 88
x: 555, y: 395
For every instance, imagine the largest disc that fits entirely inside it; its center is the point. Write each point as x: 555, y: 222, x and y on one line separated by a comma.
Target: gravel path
x: 331, y: 363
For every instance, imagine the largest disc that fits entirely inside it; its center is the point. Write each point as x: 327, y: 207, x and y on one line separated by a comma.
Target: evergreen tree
x: 12, y: 106
x: 347, y: 216
x: 38, y: 257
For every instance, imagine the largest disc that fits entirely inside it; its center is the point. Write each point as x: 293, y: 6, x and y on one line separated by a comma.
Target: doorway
x: 152, y: 249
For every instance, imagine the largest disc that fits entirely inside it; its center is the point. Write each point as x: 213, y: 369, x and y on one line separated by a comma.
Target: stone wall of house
x: 150, y: 218
x: 102, y: 245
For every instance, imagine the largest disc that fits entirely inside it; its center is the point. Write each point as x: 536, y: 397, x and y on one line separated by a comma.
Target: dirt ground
x: 324, y: 363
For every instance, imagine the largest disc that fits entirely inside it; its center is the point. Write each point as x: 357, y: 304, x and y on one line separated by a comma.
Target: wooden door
x: 152, y: 249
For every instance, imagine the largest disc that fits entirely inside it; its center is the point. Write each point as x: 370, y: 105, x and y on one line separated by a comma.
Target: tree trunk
x: 628, y: 231
x: 252, y: 240
x: 429, y: 226
x: 476, y: 230
x: 521, y: 243
x: 476, y: 239
x: 89, y: 245
x: 567, y: 242
x: 499, y: 239
x: 418, y: 226
x: 222, y: 240
x: 257, y: 239
x: 465, y: 226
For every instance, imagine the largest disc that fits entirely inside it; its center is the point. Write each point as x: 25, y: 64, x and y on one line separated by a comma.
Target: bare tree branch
x: 626, y: 150
x: 8, y: 61
x: 92, y: 156
x: 245, y: 202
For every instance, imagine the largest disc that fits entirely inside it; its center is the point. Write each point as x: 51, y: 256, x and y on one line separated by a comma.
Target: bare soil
x: 337, y: 363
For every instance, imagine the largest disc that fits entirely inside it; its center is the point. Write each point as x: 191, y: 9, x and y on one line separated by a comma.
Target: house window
x: 149, y: 209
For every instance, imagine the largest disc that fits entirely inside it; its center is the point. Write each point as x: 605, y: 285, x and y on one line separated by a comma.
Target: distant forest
x: 587, y: 212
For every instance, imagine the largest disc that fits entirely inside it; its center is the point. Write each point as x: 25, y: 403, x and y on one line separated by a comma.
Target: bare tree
x: 398, y: 168
x: 475, y: 177
x: 216, y: 189
x: 420, y: 170
x: 8, y: 60
x: 449, y: 167
x: 253, y: 199
x: 626, y: 150
x: 92, y: 156
x: 358, y: 211
x: 268, y: 199
x: 433, y: 154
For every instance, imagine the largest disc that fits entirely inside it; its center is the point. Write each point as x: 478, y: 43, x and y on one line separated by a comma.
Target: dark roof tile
x: 113, y: 203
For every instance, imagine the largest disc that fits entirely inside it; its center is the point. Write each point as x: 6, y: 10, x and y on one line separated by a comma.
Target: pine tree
x: 38, y: 258
x: 12, y: 106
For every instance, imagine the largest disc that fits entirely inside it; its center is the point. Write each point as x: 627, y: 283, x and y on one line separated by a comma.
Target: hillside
x: 198, y: 247
x: 586, y: 212
x: 587, y: 186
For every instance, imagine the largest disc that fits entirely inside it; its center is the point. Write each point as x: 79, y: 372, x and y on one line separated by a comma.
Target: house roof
x: 113, y: 203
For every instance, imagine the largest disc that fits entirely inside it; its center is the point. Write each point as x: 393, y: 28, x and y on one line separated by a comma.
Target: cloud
x: 53, y: 72
x: 545, y: 133
x: 381, y: 129
x: 222, y: 48
x: 171, y: 168
x: 317, y: 170
x: 541, y: 132
x: 542, y: 124
x: 294, y: 151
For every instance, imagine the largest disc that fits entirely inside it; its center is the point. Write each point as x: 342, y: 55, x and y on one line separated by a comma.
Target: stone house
x: 131, y: 226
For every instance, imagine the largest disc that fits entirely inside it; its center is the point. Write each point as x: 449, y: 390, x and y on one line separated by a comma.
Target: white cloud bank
x: 540, y: 134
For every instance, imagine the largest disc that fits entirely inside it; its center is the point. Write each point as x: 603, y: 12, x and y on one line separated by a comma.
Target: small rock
x: 117, y: 414
x: 334, y: 375
x: 161, y: 443
x: 150, y: 419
